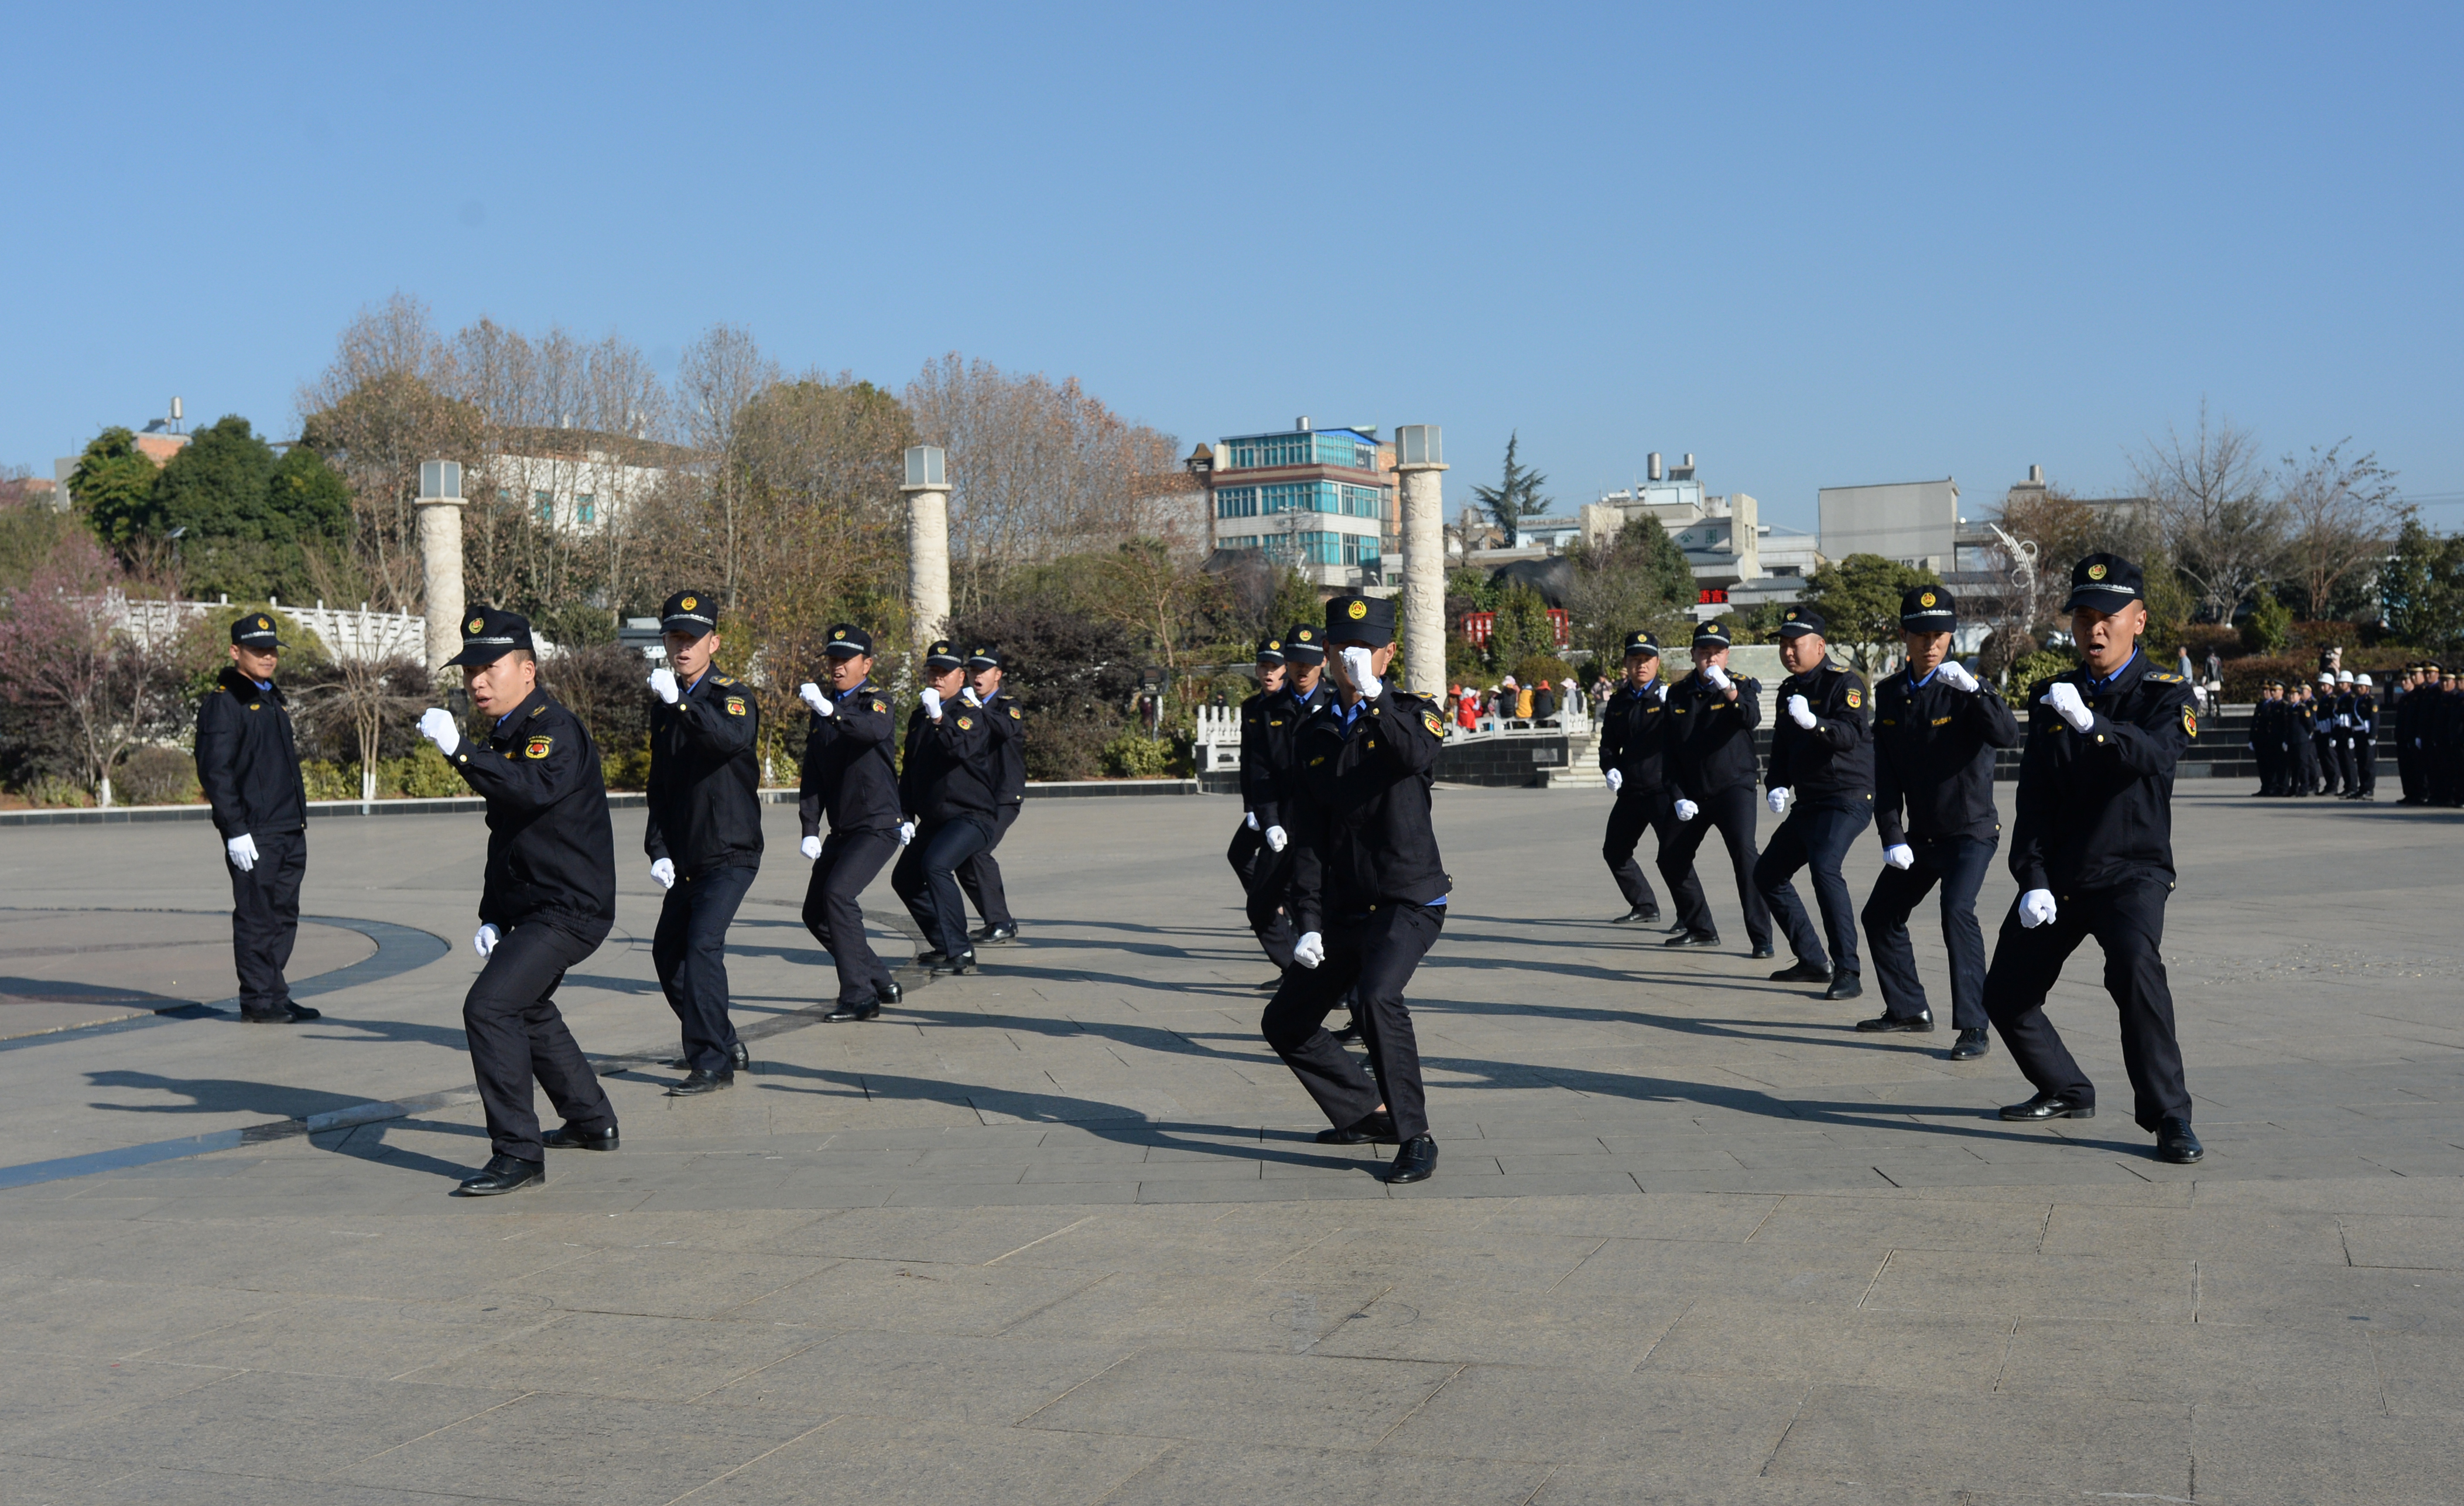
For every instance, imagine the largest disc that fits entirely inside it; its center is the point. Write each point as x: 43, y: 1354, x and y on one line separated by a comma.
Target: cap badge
x: 1304, y: 634
x: 1357, y: 610
x: 688, y: 603
x: 1925, y: 600
x: 1274, y: 643
x: 840, y: 633
x: 262, y: 623
x: 476, y: 624
x: 2096, y: 572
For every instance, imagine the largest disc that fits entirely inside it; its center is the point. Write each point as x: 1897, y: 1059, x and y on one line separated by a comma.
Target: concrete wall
x: 1912, y: 521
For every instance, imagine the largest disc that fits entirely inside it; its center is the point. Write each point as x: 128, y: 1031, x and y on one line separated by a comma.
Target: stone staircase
x: 1582, y: 770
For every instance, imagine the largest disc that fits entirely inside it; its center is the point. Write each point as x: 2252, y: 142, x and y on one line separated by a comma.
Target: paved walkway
x: 1058, y: 1232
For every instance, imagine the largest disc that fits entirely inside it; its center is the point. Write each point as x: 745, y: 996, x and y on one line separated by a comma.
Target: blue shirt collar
x: 1915, y: 683
x: 2100, y: 684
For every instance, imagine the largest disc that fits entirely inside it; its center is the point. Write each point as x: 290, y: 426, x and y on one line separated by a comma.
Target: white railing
x: 361, y: 637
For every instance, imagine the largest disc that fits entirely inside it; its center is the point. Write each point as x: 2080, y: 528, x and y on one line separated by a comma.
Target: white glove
x: 664, y: 869
x: 2343, y: 721
x: 811, y: 846
x: 1311, y: 949
x: 1800, y: 712
x: 967, y: 694
x: 1660, y: 689
x: 1716, y: 676
x: 1615, y: 779
x: 905, y: 832
x: 485, y: 941
x: 2069, y: 704
x: 811, y: 696
x: 2035, y: 908
x: 242, y: 851
x: 1899, y: 855
x: 1251, y: 818
x: 1955, y: 675
x: 931, y: 699
x: 663, y: 684
x: 1687, y: 811
x: 1356, y: 664
x: 1777, y: 800
x: 436, y: 726
x: 1276, y: 840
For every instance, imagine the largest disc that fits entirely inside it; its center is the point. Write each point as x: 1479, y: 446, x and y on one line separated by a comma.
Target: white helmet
x: 2364, y: 681
x: 2344, y: 677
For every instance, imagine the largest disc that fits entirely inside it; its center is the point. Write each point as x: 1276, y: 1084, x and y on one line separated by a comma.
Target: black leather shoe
x: 937, y: 962
x: 1970, y: 1045
x: 564, y: 1136
x: 2048, y: 1106
x: 1270, y: 984
x: 299, y: 1013
x: 888, y: 991
x: 249, y: 1016
x: 505, y: 1174
x: 698, y: 1082
x: 1844, y: 985
x: 1350, y: 1031
x: 1761, y: 952
x: 740, y: 1054
x: 1416, y: 1161
x: 1802, y: 972
x: 1693, y: 938
x: 2174, y: 1143
x: 995, y: 933
x: 1637, y: 916
x: 1378, y: 1129
x: 844, y: 1013
x: 1913, y: 1023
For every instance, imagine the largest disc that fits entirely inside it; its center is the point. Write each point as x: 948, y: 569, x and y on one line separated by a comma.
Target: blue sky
x: 1817, y: 245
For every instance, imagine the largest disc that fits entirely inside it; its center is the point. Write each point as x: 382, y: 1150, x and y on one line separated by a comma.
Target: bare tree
x: 720, y: 375
x: 67, y: 652
x: 2222, y: 526
x: 2343, y: 515
x: 362, y: 696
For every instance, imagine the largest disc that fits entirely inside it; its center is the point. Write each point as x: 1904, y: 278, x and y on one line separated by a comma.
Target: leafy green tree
x: 1516, y: 496
x: 1637, y: 579
x: 2421, y: 588
x: 1858, y: 598
x: 113, y: 485
x: 1521, y: 628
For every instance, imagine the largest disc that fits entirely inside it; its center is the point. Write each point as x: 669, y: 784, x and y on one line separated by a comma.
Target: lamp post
x: 1419, y: 458
x: 440, y: 557
x: 928, y: 541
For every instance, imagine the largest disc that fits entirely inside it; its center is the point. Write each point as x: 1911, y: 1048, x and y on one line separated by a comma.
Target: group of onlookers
x: 1506, y: 702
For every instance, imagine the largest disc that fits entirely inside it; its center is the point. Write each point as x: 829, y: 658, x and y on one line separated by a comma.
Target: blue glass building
x: 1322, y: 499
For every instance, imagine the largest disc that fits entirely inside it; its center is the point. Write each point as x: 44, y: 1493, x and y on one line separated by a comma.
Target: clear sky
x: 1816, y: 244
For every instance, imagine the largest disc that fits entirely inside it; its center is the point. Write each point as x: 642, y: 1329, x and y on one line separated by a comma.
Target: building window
x: 1360, y: 548
x: 543, y: 503
x: 1236, y: 502
x: 1363, y: 501
x: 1242, y: 541
x: 586, y: 507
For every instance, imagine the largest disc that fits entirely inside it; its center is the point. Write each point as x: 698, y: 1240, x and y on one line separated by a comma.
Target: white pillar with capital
x: 927, y: 542
x: 1419, y: 461
x: 440, y: 558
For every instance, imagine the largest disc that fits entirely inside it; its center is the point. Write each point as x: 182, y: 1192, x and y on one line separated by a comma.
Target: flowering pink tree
x: 66, y: 651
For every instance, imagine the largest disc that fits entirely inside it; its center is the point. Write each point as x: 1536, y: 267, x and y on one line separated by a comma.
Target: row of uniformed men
x: 2427, y: 706
x: 2322, y: 743
x: 549, y: 893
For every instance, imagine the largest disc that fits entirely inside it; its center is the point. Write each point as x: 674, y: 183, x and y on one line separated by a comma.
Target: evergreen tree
x: 113, y: 485
x: 1516, y: 496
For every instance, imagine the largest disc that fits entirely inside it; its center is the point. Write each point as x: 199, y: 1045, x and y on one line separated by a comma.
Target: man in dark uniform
x: 2400, y: 710
x: 2322, y: 737
x: 849, y: 774
x: 1633, y: 740
x: 1369, y: 892
x: 548, y: 901
x: 1822, y: 766
x: 1273, y: 928
x: 946, y: 784
x: 1935, y: 732
x: 2302, y: 740
x: 250, y: 771
x: 2267, y: 738
x: 2093, y: 851
x: 2346, y: 777
x: 703, y: 833
x: 1710, y: 766
x: 2446, y: 740
x: 980, y: 876
x: 2365, y: 739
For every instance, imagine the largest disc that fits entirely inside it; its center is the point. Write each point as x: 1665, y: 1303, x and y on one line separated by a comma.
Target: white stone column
x: 440, y: 558
x: 1424, y: 574
x: 927, y: 560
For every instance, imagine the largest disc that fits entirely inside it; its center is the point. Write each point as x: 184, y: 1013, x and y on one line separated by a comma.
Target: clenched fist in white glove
x: 664, y: 869
x: 1616, y: 780
x: 1899, y: 855
x: 663, y: 684
x: 485, y: 940
x: 242, y: 851
x: 2035, y: 908
x: 1310, y: 950
x: 2069, y: 705
x: 1777, y: 800
x: 811, y: 846
x: 1251, y: 818
x: 436, y: 726
x: 1801, y: 712
x: 1687, y: 811
x: 1715, y: 676
x: 1276, y: 840
x: 1357, y: 667
x: 906, y: 831
x: 1955, y: 675
x: 811, y: 696
x: 931, y: 700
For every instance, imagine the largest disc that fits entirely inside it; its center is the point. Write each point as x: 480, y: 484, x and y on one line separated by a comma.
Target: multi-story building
x: 1320, y: 500
x: 1724, y: 541
x: 577, y: 480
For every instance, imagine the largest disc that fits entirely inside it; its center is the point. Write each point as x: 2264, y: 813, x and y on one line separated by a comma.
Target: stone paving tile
x: 1304, y: 1401
x: 1208, y: 1312
x: 924, y: 1376
x: 166, y: 1487
x: 1456, y: 1322
x: 1270, y: 1476
x: 1831, y: 1345
x: 862, y: 1461
x: 619, y: 1355
x: 2280, y: 1456
x: 2330, y: 1370
x: 2084, y: 1444
x: 2325, y: 1297
x: 2054, y: 1286
x: 314, y: 1424
x: 663, y: 1283
x: 42, y: 1396
x: 916, y: 1296
x: 112, y: 1318
x: 1655, y: 1426
x: 366, y: 1338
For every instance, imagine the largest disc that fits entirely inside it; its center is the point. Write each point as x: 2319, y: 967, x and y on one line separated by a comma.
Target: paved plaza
x: 1059, y: 1232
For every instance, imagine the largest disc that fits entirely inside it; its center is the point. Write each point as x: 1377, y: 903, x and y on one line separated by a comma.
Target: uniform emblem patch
x: 1013, y: 714
x: 1357, y: 610
x: 880, y: 708
x: 736, y: 705
x: 2189, y: 721
x: 1429, y: 719
x: 538, y: 747
x: 1856, y: 699
x: 965, y: 725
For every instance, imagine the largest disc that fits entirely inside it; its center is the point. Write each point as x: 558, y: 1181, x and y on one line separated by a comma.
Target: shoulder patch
x: 880, y: 708
x: 736, y: 705
x: 1429, y: 719
x: 2190, y: 719
x: 538, y: 747
x: 1855, y: 697
x: 1013, y: 715
x: 966, y: 726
